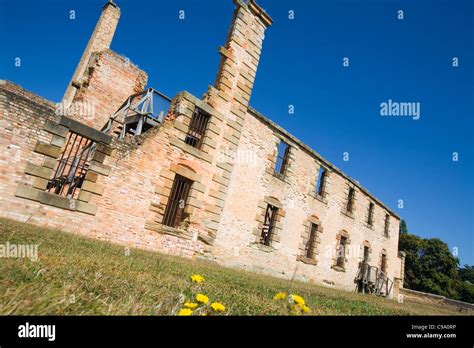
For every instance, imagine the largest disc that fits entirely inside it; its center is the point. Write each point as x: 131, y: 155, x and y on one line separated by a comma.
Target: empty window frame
x: 174, y: 212
x: 383, y: 263
x: 311, y: 243
x: 370, y: 216
x: 350, y: 200
x: 366, y: 254
x: 282, y: 159
x: 321, y: 183
x: 268, y: 224
x: 341, y: 253
x: 72, y: 166
x: 197, y: 128
x: 386, y: 224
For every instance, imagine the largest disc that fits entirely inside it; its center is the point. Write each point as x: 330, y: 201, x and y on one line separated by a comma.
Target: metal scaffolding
x: 141, y: 111
x: 370, y: 279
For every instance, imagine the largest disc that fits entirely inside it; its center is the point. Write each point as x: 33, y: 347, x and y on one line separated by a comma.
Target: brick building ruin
x: 202, y: 177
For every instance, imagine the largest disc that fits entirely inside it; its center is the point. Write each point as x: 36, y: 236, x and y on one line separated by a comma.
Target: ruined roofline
x: 320, y: 158
x: 19, y: 91
x: 100, y: 39
x: 259, y: 12
x: 111, y: 3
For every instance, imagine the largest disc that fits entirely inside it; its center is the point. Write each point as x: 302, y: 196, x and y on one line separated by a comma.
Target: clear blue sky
x: 337, y: 109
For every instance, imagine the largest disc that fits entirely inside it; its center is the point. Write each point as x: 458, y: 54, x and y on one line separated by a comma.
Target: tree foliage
x: 466, y: 285
x: 431, y: 267
x: 467, y: 273
x: 403, y: 227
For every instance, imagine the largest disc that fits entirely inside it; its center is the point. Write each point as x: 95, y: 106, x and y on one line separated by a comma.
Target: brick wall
x: 99, y: 41
x: 109, y: 80
x: 23, y: 116
x: 103, y: 80
x: 126, y: 197
x: 253, y: 181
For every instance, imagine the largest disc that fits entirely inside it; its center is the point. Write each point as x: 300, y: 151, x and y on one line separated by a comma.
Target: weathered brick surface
x: 127, y: 188
x: 22, y: 117
x: 252, y: 181
x: 109, y: 81
x: 100, y: 40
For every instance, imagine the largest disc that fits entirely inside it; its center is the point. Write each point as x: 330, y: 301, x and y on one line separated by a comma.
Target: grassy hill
x: 81, y: 276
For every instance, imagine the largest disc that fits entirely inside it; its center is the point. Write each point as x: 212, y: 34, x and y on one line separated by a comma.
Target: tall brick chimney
x: 240, y: 57
x: 100, y: 40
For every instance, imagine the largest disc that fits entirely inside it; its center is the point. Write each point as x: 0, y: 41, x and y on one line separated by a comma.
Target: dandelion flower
x: 202, y: 298
x: 185, y: 312
x: 280, y: 296
x: 190, y: 305
x: 218, y: 307
x: 197, y: 278
x: 297, y: 299
x: 296, y: 309
x: 305, y: 309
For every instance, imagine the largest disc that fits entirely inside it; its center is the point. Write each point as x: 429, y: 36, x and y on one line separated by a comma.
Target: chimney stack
x: 240, y: 57
x: 100, y: 40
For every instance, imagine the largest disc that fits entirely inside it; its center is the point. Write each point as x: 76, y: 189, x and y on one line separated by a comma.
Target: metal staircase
x: 140, y: 112
x: 370, y: 279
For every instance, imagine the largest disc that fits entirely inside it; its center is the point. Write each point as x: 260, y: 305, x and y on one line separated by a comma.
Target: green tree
x: 466, y: 283
x: 466, y: 273
x: 403, y: 227
x: 411, y: 245
x: 466, y: 291
x: 429, y: 266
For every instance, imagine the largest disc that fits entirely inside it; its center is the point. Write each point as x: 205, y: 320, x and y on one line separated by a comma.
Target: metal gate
x: 72, y: 166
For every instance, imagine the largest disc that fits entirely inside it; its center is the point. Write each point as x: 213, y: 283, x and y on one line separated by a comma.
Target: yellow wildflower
x: 305, y: 309
x: 280, y: 296
x: 218, y: 307
x: 202, y: 298
x: 297, y: 299
x: 197, y: 278
x: 190, y: 305
x: 185, y: 311
x: 296, y: 309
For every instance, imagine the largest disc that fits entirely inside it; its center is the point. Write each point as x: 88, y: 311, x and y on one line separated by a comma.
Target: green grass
x: 104, y: 281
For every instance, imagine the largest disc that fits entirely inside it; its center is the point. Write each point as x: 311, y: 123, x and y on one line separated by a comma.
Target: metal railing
x: 370, y: 279
x: 72, y: 166
x: 139, y: 112
x: 197, y: 128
